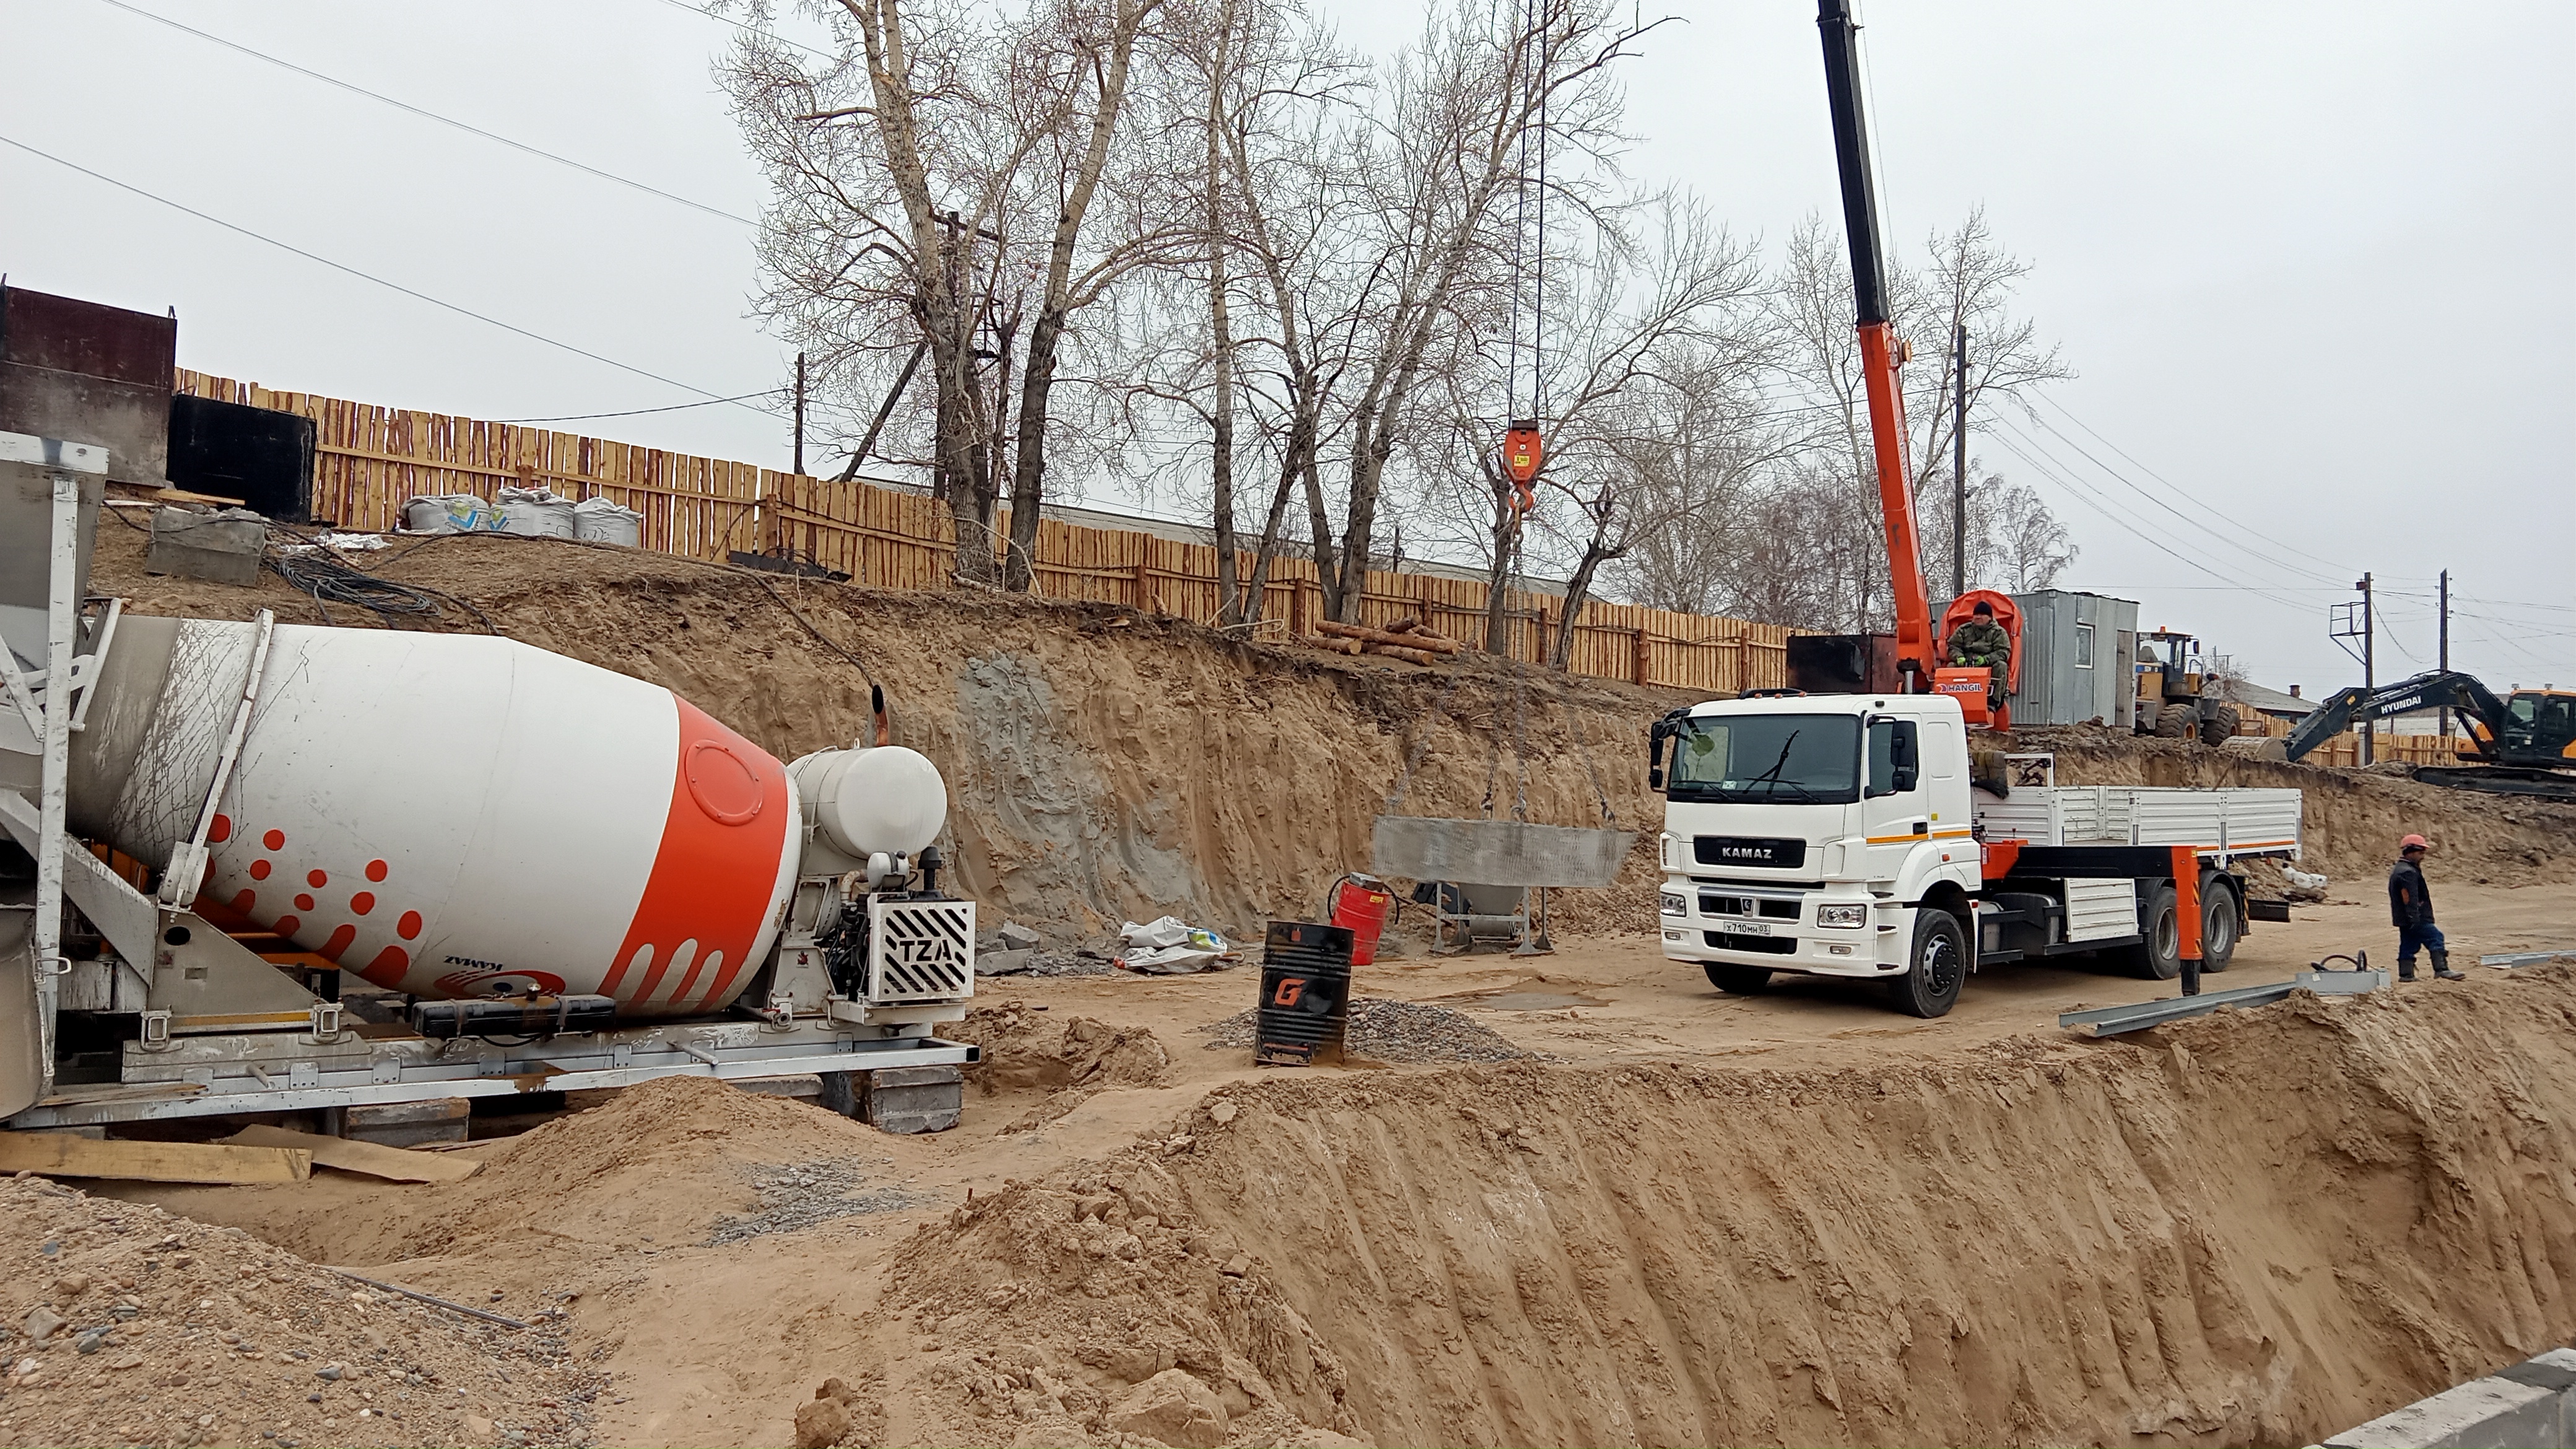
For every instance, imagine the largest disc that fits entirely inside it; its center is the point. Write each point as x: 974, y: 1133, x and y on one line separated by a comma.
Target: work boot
x: 2442, y: 967
x: 2405, y: 970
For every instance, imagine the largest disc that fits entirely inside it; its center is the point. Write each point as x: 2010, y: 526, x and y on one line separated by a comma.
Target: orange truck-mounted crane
x: 1861, y: 663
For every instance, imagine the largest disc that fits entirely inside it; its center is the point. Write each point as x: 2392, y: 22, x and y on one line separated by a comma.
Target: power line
x: 369, y: 277
x: 2196, y: 522
x: 2094, y: 499
x: 2178, y: 489
x: 638, y: 412
x: 428, y: 115
x: 751, y: 29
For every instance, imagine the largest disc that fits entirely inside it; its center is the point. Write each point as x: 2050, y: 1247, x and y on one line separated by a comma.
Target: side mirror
x: 1904, y: 754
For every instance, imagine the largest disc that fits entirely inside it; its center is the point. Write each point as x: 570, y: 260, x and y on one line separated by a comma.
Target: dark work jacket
x: 2410, y: 900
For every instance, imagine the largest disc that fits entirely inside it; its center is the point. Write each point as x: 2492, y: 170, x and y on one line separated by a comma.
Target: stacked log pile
x: 1406, y: 639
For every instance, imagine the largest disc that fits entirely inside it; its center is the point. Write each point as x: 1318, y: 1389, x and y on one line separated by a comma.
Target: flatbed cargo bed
x: 2225, y: 823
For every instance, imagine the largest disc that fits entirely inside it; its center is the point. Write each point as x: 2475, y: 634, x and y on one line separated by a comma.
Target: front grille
x: 1769, y: 945
x: 921, y: 950
x: 1768, y: 907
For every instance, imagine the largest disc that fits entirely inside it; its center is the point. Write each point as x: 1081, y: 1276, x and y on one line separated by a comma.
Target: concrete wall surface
x: 2531, y: 1405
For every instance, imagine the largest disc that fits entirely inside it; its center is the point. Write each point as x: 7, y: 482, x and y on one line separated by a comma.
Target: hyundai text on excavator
x: 1842, y: 835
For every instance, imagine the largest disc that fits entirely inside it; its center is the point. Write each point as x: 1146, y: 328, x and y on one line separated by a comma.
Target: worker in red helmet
x: 2410, y: 906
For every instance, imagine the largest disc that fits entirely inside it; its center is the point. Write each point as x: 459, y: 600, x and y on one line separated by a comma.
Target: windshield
x: 1787, y: 759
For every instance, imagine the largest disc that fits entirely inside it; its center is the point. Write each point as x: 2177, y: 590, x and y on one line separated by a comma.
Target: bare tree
x: 1088, y: 52
x: 1451, y: 145
x: 2028, y: 545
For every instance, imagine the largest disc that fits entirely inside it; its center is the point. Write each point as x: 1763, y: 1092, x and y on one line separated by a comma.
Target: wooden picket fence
x: 369, y: 460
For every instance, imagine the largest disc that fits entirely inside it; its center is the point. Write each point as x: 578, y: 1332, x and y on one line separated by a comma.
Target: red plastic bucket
x: 1359, y: 905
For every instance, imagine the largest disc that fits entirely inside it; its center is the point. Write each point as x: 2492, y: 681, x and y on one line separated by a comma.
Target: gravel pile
x: 1044, y: 963
x: 796, y: 1196
x: 1394, y: 1031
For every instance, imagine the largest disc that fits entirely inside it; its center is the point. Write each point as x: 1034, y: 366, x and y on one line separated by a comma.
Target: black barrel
x: 1305, y: 991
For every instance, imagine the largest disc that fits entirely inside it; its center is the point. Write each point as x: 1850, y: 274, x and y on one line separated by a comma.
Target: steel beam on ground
x: 2526, y: 958
x: 2138, y: 1016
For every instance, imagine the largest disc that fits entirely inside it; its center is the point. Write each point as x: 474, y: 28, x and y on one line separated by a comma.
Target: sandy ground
x: 613, y: 1220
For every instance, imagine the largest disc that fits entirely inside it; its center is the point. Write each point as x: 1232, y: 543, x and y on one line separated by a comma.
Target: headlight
x: 1676, y: 904
x: 1842, y: 915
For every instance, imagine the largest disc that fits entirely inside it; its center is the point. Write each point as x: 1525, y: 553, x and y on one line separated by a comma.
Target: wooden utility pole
x: 1959, y: 466
x: 2446, y: 647
x: 2369, y: 663
x: 800, y: 415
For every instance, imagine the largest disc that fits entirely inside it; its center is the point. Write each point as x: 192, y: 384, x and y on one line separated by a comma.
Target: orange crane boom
x: 1918, y: 649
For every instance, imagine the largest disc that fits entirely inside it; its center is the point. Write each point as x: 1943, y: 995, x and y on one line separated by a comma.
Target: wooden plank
x: 60, y: 1154
x: 393, y: 1164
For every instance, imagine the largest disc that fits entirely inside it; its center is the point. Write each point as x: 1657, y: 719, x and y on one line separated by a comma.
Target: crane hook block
x: 1522, y: 451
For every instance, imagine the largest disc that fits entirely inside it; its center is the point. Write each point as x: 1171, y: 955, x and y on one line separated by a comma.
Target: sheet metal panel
x: 2097, y: 910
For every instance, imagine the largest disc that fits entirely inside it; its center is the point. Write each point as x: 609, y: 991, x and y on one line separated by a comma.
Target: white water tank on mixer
x: 450, y: 815
x: 869, y: 800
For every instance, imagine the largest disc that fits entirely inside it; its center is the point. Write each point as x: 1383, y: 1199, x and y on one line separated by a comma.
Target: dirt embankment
x: 2258, y: 1227
x: 1102, y: 764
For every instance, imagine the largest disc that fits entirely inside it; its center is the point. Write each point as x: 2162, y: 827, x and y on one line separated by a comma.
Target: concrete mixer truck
x: 547, y: 875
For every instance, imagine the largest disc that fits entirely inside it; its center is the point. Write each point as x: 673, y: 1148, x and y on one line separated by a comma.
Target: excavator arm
x: 2435, y: 690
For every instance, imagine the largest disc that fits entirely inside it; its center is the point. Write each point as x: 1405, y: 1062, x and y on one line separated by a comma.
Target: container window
x: 2083, y: 646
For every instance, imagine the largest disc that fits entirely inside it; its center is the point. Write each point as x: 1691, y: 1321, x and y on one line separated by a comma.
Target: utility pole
x: 2369, y: 663
x: 2446, y: 649
x: 800, y: 415
x: 1959, y: 465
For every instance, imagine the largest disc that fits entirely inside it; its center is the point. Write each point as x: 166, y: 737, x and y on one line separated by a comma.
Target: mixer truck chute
x: 553, y: 875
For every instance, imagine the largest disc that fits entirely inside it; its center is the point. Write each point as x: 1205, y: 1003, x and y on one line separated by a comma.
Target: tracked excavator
x: 2525, y: 742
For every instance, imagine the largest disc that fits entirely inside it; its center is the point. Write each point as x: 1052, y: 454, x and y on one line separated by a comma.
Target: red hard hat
x: 2414, y: 842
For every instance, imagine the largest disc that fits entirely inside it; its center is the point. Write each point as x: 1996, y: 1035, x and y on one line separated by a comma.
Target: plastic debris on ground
x: 1171, y: 947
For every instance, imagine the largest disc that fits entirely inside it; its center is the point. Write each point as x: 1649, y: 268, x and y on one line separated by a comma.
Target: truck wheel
x: 2217, y: 924
x: 1737, y: 980
x: 2174, y: 722
x: 2159, y: 956
x: 1939, y: 966
x: 2220, y: 723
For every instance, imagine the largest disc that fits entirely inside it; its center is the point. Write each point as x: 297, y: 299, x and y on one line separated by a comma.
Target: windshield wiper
x: 1771, y: 777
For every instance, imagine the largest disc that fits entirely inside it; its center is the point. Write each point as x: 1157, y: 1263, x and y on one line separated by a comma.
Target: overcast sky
x: 2315, y: 264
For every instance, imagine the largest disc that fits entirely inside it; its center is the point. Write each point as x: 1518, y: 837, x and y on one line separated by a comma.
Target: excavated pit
x: 2256, y: 1228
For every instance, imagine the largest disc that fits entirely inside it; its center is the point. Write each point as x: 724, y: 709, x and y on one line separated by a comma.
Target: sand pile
x: 659, y: 1164
x: 2258, y: 1227
x: 127, y: 1325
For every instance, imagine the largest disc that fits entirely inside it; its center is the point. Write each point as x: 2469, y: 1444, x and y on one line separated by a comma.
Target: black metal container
x: 1305, y: 992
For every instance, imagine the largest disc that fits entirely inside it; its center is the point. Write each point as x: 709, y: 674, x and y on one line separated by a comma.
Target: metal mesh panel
x: 921, y: 950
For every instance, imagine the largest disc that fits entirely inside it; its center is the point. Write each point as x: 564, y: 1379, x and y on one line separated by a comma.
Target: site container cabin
x: 2075, y: 652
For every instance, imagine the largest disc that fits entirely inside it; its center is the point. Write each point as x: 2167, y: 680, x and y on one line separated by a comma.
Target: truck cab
x: 1825, y: 834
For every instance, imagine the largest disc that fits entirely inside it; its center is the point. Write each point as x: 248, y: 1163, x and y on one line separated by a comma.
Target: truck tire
x: 1737, y: 980
x: 2176, y: 722
x: 2218, y: 929
x: 2158, y: 957
x: 2218, y: 724
x: 1936, y: 969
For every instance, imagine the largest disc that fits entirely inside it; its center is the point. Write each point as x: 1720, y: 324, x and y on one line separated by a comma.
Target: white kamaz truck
x: 1844, y: 835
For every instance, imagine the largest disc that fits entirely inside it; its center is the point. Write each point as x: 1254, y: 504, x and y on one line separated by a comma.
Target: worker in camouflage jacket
x: 1982, y: 642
